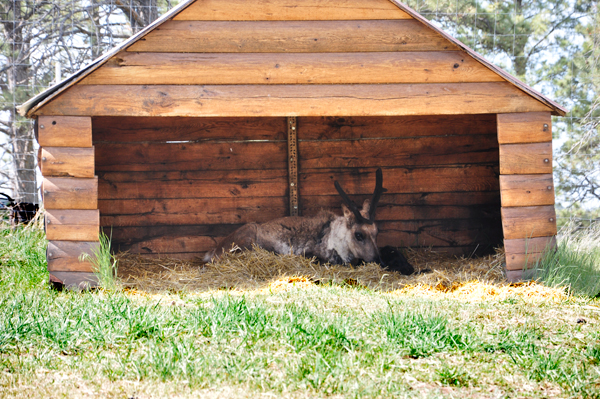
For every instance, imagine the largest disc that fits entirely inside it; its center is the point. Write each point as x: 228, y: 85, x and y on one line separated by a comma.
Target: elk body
x: 327, y: 236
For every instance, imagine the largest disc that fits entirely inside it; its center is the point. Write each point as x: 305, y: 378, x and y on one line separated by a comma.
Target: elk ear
x: 366, y: 209
x: 348, y: 214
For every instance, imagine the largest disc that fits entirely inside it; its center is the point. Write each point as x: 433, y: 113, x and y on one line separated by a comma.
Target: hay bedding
x: 258, y: 269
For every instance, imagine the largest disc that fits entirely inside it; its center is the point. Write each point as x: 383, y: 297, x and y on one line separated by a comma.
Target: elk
x: 328, y: 237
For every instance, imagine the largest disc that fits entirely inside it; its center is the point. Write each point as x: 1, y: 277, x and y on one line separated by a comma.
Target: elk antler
x: 376, y: 196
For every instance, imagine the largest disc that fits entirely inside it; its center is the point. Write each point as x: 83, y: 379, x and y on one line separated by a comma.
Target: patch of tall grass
x: 575, y: 263
x: 104, y: 264
x: 23, y: 255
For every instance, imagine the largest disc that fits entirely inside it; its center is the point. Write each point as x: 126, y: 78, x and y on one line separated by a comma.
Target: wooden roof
x: 289, y: 58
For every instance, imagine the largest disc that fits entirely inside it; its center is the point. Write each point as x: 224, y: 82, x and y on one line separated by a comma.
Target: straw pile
x: 258, y: 269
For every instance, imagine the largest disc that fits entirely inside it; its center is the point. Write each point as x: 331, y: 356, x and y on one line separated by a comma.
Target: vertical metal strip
x: 293, y: 165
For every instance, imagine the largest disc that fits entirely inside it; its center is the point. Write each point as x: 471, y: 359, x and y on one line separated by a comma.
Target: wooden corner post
x: 70, y: 195
x: 526, y: 188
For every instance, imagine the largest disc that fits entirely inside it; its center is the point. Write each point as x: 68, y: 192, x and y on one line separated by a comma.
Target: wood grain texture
x: 388, y: 211
x: 423, y: 151
x: 75, y: 280
x: 400, y: 180
x: 70, y: 193
x: 193, y: 184
x: 365, y: 127
x: 173, y: 239
x: 178, y: 198
x: 67, y: 162
x: 516, y: 276
x: 164, y: 129
x: 524, y: 252
x: 265, y: 10
x: 72, y: 225
x: 57, y: 217
x: 298, y: 68
x: 291, y: 37
x: 475, y: 200
x: 528, y: 221
x: 191, y: 156
x: 247, y: 210
x: 530, y: 127
x: 174, y: 244
x: 521, y: 159
x: 422, y: 184
x: 68, y: 232
x: 65, y: 131
x: 292, y: 100
x: 192, y: 211
x: 527, y: 190
x: 65, y: 255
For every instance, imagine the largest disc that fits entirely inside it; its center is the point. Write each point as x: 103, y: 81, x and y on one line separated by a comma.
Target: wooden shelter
x: 224, y: 112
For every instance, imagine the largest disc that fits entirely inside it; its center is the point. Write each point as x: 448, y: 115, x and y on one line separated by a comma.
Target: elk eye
x: 359, y: 236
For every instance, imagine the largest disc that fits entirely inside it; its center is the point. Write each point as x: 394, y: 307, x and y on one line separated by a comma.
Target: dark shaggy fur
x: 393, y: 259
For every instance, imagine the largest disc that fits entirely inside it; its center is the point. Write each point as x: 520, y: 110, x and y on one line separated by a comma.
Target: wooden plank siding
x: 67, y: 162
x: 527, y: 188
x: 292, y: 100
x: 520, y: 159
x: 284, y: 59
x: 69, y: 192
x: 172, y: 186
x: 65, y: 255
x: 291, y: 37
x: 72, y: 225
x: 522, y: 252
x: 524, y: 222
x: 531, y: 127
x: 61, y: 131
x: 425, y: 161
x: 159, y: 198
x: 265, y: 10
x: 129, y: 68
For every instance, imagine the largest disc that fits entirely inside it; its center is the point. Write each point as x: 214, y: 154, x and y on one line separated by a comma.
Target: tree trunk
x: 21, y: 129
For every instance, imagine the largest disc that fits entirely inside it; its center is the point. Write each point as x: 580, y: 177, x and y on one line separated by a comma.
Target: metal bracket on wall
x: 293, y: 165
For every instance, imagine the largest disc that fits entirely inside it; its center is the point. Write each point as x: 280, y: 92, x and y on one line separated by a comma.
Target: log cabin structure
x: 222, y: 113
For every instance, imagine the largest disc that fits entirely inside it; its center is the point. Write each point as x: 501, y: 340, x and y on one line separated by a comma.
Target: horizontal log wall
x: 70, y: 194
x: 173, y: 186
x: 440, y: 172
x: 527, y: 188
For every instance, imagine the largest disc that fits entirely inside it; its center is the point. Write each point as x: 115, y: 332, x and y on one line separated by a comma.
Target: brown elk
x: 327, y: 236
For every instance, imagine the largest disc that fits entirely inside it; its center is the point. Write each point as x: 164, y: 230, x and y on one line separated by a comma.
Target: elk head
x: 361, y: 237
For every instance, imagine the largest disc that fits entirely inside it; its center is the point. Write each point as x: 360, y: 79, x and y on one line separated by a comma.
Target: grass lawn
x: 292, y: 339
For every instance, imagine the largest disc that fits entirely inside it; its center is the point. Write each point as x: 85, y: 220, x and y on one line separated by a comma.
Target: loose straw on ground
x: 258, y: 269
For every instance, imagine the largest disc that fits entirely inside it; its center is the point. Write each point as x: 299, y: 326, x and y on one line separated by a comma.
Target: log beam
x: 292, y: 100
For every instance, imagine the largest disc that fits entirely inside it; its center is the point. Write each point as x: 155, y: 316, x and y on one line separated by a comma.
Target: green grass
x: 321, y: 341
x: 575, y: 263
x: 23, y: 256
x: 104, y: 264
